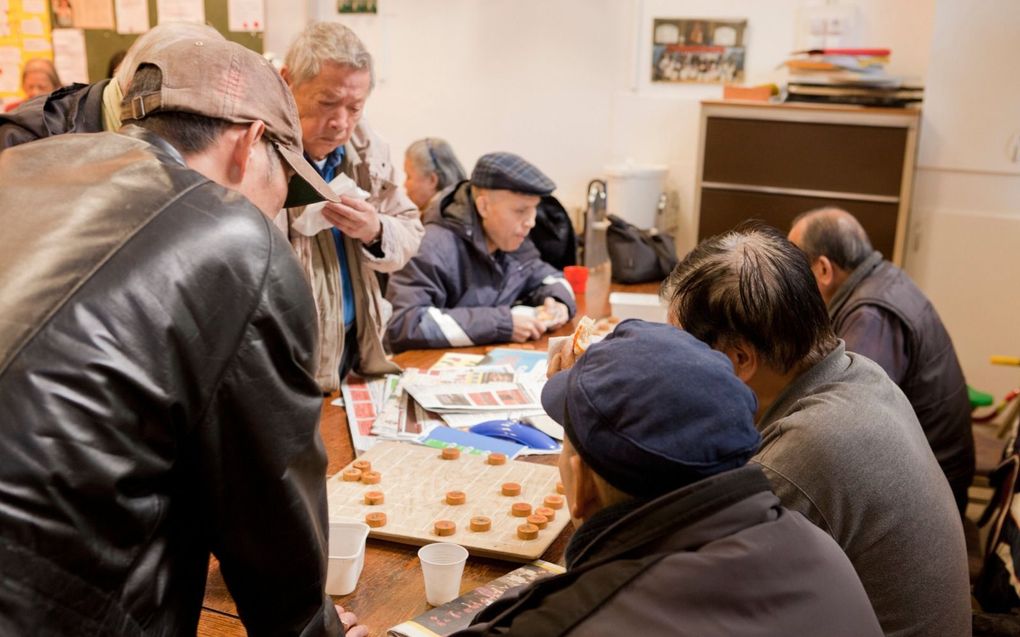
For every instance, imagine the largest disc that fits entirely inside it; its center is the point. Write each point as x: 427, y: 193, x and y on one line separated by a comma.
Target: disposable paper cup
x: 346, y: 556
x: 442, y: 564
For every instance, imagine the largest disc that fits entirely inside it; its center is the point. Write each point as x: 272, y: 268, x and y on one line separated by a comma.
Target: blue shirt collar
x: 333, y: 161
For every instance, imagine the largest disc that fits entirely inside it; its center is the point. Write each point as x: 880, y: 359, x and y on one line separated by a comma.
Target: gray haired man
x: 330, y: 73
x: 880, y: 313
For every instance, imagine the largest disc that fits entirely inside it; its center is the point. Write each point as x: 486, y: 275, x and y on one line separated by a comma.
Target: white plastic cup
x: 346, y: 555
x: 442, y: 564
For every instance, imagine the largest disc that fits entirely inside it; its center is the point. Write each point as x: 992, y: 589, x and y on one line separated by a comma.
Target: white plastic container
x: 633, y: 191
x: 640, y: 306
x: 346, y: 555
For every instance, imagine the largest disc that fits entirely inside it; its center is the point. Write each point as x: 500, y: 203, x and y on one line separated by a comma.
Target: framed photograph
x: 357, y: 6
x: 698, y: 50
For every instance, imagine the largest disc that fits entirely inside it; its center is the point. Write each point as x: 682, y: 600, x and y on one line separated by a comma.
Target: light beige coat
x: 367, y: 161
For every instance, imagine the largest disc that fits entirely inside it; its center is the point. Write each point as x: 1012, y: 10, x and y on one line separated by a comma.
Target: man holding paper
x: 374, y: 228
x: 477, y: 280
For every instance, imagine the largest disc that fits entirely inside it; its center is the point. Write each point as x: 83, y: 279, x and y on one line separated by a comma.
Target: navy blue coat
x: 453, y: 293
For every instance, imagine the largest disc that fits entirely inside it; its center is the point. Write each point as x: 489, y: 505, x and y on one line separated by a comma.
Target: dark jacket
x: 879, y: 297
x: 157, y: 399
x: 77, y: 108
x: 454, y: 293
x: 718, y: 557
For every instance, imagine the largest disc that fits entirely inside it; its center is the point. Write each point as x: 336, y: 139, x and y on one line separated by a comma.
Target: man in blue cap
x: 472, y: 282
x: 676, y: 535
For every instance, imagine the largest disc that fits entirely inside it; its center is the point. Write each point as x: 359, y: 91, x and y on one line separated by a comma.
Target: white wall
x: 966, y: 214
x: 565, y: 82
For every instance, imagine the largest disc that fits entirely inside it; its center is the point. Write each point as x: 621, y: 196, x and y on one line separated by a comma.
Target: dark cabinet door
x: 810, y: 156
x: 722, y: 209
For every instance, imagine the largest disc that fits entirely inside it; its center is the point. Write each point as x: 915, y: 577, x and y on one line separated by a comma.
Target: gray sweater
x: 842, y: 446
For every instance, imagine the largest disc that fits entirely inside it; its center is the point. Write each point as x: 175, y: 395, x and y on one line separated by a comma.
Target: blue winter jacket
x: 453, y: 293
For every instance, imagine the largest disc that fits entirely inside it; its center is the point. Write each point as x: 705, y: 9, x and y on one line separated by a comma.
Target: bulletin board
x: 101, y: 44
x: 24, y: 34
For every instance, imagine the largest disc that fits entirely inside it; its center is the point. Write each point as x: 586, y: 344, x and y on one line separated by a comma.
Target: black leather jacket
x: 77, y: 108
x: 157, y: 399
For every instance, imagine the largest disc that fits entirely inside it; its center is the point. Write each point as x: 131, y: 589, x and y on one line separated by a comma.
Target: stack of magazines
x: 848, y: 76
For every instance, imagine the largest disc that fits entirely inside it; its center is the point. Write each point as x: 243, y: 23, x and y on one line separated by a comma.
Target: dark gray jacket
x: 454, y: 293
x: 157, y: 399
x: 880, y: 298
x: 718, y: 557
x: 77, y: 108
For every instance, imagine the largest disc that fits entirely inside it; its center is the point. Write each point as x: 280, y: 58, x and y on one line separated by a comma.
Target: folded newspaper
x: 456, y: 615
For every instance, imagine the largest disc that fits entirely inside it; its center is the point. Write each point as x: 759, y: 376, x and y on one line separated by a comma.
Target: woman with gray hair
x: 431, y: 167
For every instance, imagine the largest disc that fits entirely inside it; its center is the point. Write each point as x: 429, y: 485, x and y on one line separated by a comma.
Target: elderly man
x: 840, y: 441
x: 676, y: 536
x: 330, y: 73
x: 879, y: 312
x: 464, y: 286
x: 91, y: 108
x: 157, y: 398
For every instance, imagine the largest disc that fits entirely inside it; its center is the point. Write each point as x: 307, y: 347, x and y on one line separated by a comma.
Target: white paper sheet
x: 36, y: 45
x: 10, y: 61
x: 132, y: 16
x: 29, y: 6
x: 180, y: 11
x: 93, y: 14
x: 69, y: 55
x: 246, y: 15
x: 311, y: 222
x: 32, y: 26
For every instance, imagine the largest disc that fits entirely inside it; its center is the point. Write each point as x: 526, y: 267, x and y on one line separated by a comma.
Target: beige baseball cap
x: 224, y: 80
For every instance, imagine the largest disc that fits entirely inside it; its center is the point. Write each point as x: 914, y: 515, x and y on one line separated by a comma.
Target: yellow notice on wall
x: 24, y: 34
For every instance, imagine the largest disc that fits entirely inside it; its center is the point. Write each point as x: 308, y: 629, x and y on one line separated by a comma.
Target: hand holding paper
x: 312, y: 221
x: 355, y: 218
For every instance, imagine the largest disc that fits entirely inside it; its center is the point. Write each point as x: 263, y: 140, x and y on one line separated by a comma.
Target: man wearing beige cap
x: 157, y: 356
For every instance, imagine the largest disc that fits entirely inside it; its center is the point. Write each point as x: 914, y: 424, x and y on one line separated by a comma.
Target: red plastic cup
x: 577, y: 277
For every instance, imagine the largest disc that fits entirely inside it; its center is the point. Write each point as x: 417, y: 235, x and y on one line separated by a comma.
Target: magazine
x: 456, y: 615
x: 485, y: 397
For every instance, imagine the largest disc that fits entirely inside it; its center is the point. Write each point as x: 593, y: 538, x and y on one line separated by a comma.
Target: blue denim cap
x: 652, y: 409
x: 506, y: 171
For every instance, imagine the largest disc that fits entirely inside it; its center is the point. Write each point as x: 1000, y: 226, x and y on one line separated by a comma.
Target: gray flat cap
x: 506, y: 171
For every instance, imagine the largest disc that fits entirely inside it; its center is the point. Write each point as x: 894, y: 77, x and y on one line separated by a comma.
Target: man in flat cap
x: 158, y: 402
x: 676, y: 534
x: 472, y: 283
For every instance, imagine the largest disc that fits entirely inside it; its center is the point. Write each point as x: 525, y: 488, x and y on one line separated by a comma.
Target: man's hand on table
x: 526, y: 328
x: 553, y: 314
x: 355, y: 218
x: 350, y: 622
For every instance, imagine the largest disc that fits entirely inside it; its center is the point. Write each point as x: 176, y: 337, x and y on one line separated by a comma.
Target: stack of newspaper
x: 461, y: 390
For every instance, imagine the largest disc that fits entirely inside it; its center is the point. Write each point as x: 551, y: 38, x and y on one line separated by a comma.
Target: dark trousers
x: 349, y: 357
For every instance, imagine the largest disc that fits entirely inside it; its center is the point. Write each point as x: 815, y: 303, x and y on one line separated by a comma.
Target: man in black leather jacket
x: 157, y: 394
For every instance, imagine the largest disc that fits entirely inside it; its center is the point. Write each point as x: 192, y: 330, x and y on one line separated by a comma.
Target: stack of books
x: 847, y: 76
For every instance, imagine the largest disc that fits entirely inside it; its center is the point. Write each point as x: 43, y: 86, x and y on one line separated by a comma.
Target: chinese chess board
x: 415, y: 480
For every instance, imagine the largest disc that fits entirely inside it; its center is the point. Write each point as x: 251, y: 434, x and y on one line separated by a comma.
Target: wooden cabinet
x: 775, y: 161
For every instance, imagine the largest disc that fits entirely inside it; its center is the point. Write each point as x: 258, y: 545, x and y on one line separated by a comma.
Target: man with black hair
x: 158, y: 403
x: 840, y: 441
x: 677, y: 536
x: 880, y: 313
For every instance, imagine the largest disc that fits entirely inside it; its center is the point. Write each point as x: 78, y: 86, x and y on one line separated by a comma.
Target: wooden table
x: 390, y: 589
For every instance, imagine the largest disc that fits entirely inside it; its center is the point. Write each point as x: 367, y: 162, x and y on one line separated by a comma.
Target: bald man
x: 880, y: 313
